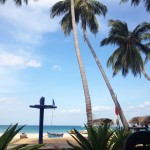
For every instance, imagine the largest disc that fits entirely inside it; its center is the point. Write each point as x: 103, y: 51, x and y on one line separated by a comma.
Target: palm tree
x: 81, y: 66
x: 136, y: 2
x: 17, y: 2
x: 68, y: 6
x: 86, y: 11
x: 130, y: 46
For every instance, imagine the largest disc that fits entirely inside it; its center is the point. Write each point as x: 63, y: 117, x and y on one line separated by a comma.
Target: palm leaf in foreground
x: 118, y: 139
x: 98, y: 138
x: 8, y: 135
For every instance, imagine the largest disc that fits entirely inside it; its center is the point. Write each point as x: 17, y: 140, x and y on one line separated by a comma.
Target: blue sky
x: 36, y: 59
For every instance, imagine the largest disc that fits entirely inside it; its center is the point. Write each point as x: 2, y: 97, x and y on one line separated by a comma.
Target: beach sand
x: 50, y: 143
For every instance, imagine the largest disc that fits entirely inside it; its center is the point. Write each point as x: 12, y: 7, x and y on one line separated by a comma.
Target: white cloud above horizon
x: 101, y: 108
x: 142, y: 109
x: 71, y: 111
x: 17, y: 61
x: 6, y: 101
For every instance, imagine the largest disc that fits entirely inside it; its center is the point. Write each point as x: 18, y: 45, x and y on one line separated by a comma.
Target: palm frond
x: 118, y: 27
x: 60, y: 8
x: 66, y: 24
x: 147, y: 58
x: 32, y: 147
x: 140, y: 30
x: 136, y: 2
x: 97, y: 7
x: 81, y: 140
x: 92, y: 24
x: 147, y: 5
x: 113, y: 40
x: 143, y: 48
x: 119, y: 138
x: 17, y: 2
x: 8, y: 135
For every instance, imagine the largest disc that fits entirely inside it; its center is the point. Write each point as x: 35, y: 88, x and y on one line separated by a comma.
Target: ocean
x: 46, y: 128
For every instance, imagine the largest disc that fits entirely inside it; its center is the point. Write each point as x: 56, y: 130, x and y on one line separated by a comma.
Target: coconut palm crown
x: 136, y: 2
x: 130, y: 48
x: 84, y: 10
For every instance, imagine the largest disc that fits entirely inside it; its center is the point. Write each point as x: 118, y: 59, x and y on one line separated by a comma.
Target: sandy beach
x: 50, y: 143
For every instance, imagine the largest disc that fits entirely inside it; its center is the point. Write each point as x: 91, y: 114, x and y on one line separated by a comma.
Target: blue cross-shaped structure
x: 41, y: 106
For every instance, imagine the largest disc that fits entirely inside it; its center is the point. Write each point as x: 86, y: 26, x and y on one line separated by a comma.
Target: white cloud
x: 33, y: 63
x: 17, y: 61
x: 43, y: 3
x: 145, y: 105
x: 57, y: 68
x: 27, y: 23
x: 71, y: 111
x: 137, y: 110
x: 101, y: 108
x: 8, y: 101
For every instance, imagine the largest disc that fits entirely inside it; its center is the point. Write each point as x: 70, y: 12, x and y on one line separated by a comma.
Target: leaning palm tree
x: 130, y: 46
x: 86, y: 11
x: 17, y: 2
x: 136, y: 2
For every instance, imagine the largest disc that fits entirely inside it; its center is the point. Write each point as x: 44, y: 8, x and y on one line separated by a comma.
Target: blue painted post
x: 41, y: 119
x: 41, y: 116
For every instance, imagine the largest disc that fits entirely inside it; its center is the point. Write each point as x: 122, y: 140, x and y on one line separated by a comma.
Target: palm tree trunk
x: 123, y: 119
x: 81, y: 67
x: 144, y: 73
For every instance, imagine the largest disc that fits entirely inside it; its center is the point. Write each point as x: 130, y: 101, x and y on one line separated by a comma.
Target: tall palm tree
x: 17, y: 2
x: 128, y: 56
x: 86, y: 10
x: 81, y: 66
x: 68, y: 6
x: 136, y: 2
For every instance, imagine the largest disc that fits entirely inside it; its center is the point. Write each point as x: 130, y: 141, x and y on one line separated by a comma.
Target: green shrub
x: 119, y: 137
x: 98, y: 138
x: 9, y: 134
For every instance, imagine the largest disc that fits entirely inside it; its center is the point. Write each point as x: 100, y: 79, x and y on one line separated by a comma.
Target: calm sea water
x: 35, y: 128
x: 54, y: 129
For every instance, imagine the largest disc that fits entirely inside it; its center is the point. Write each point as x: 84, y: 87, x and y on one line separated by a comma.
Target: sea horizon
x: 46, y: 128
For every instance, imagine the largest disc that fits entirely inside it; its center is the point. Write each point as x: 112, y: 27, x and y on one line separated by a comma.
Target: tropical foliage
x: 119, y: 137
x: 100, y: 137
x: 130, y: 47
x: 136, y: 2
x: 9, y: 134
x: 86, y: 11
